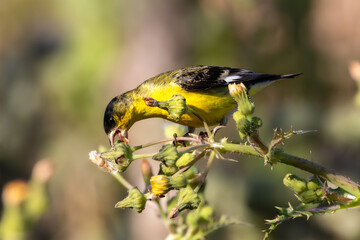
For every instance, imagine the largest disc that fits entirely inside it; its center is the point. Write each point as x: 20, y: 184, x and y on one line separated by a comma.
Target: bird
x: 205, y: 89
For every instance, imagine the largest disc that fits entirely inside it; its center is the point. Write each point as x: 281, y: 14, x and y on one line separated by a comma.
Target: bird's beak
x: 122, y: 133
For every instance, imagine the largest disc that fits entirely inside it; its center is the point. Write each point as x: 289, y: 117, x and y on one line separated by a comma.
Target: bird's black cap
x: 109, y: 122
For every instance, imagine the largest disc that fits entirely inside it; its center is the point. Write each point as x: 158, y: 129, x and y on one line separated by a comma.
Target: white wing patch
x: 230, y: 79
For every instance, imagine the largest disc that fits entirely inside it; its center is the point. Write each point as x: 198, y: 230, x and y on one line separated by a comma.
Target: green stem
x: 189, y: 139
x: 210, y: 161
x: 122, y: 180
x: 208, y: 165
x: 254, y: 138
x: 301, y: 163
x: 140, y: 156
x: 161, y: 211
x: 192, y: 148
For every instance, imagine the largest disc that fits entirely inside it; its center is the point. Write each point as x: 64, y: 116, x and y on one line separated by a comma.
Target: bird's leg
x: 190, y: 132
x: 200, y: 118
x: 224, y: 121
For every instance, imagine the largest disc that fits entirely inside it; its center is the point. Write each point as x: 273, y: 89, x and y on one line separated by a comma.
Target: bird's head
x: 115, y: 119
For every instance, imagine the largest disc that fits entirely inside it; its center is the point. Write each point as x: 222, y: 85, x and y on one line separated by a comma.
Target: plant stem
x: 192, y: 148
x: 161, y: 211
x: 208, y: 165
x: 139, y: 156
x: 189, y: 139
x: 301, y: 163
x: 122, y: 180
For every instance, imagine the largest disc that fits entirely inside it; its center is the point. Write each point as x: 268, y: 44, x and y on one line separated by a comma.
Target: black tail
x: 290, y: 75
x: 256, y: 78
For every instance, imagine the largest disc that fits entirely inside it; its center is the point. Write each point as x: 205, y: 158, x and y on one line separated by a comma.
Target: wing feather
x: 205, y: 77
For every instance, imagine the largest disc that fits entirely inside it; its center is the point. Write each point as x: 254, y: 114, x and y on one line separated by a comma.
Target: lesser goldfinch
x: 204, y: 88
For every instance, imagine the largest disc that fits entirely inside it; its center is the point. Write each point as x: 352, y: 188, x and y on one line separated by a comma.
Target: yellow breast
x: 212, y: 105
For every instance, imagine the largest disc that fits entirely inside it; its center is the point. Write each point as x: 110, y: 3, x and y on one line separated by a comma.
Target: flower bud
x: 178, y: 181
x: 243, y: 125
x: 188, y: 199
x: 43, y: 171
x: 120, y: 149
x: 135, y: 200
x: 146, y: 171
x: 176, y: 106
x: 314, y: 184
x: 191, y: 172
x: 306, y: 192
x: 246, y: 125
x: 207, y: 213
x: 239, y: 93
x: 354, y: 69
x: 15, y: 193
x: 193, y: 219
x: 162, y: 184
x: 185, y: 159
x: 168, y: 171
x: 120, y: 155
x: 168, y: 154
x: 298, y: 185
x: 308, y: 196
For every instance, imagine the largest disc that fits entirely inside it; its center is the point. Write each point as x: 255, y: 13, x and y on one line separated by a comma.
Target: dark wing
x: 205, y: 77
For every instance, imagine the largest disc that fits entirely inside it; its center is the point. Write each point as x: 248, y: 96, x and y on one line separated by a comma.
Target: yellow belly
x: 212, y: 105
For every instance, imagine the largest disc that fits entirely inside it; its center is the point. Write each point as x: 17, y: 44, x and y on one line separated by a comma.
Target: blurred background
x: 61, y: 62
